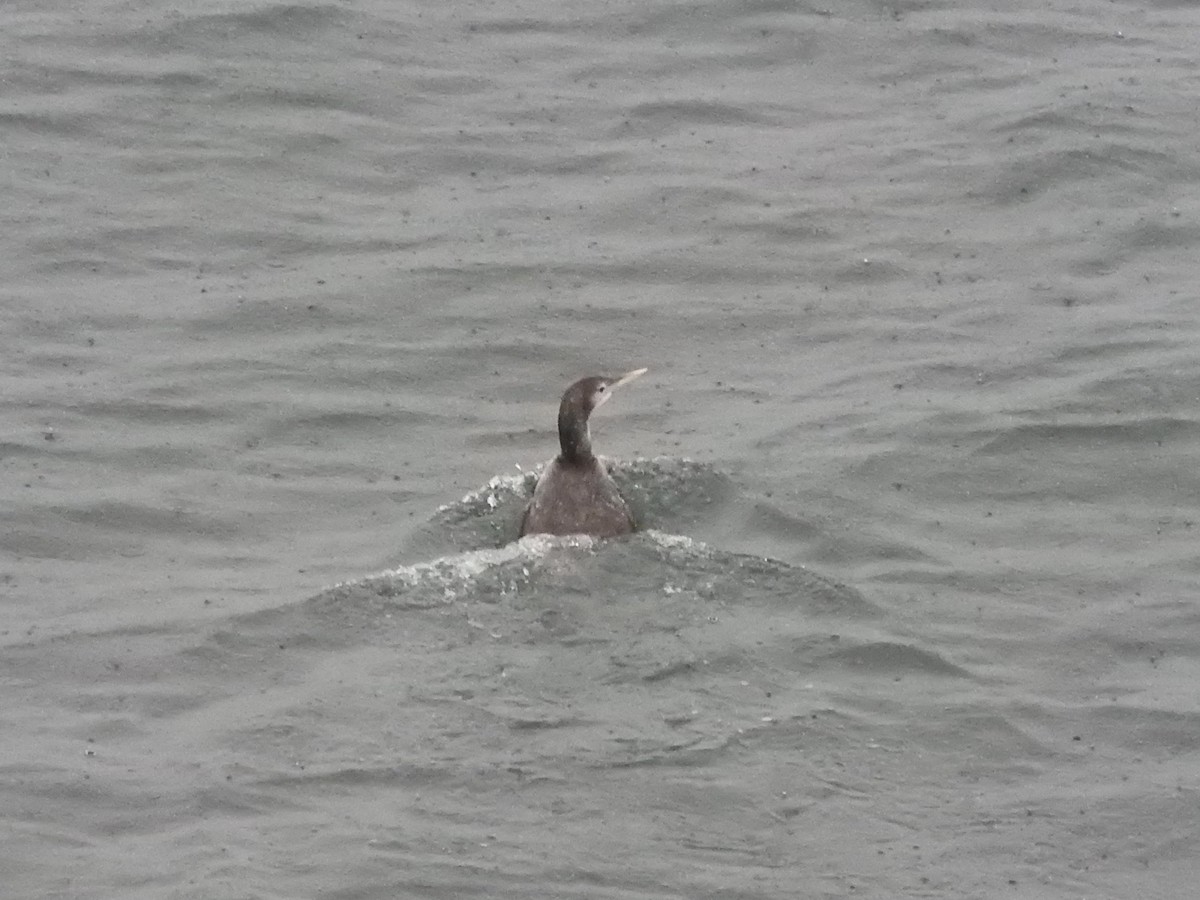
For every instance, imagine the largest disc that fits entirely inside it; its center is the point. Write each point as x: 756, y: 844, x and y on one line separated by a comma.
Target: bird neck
x: 574, y: 436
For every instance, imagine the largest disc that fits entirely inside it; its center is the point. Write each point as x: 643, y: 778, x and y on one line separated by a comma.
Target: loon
x: 575, y: 494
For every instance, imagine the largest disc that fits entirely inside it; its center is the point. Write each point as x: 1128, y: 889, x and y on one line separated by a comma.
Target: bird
x: 575, y: 494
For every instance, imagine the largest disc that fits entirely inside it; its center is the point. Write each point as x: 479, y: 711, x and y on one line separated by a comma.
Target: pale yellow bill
x: 630, y: 376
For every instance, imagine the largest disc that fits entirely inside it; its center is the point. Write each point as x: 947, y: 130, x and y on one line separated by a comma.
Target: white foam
x: 511, y: 484
x: 675, y: 541
x: 462, y: 567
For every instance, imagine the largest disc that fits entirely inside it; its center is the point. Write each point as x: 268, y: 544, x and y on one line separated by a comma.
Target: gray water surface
x: 915, y: 613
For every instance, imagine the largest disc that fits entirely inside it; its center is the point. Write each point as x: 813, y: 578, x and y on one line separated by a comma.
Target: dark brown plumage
x: 575, y: 494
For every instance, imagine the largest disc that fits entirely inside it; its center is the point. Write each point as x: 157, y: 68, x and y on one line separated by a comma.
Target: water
x: 914, y: 614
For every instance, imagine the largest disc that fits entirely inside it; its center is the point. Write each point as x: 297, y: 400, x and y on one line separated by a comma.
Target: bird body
x: 577, y: 499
